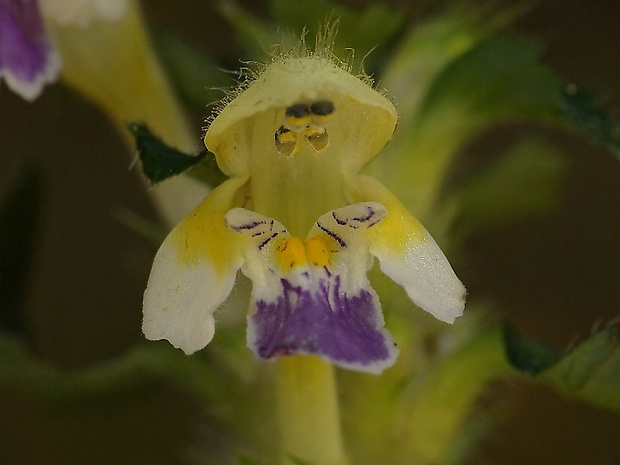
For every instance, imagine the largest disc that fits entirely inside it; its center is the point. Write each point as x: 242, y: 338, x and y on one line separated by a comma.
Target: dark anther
x: 299, y: 110
x: 322, y: 108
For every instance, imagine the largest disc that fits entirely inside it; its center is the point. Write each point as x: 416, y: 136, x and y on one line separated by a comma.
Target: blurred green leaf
x: 445, y: 397
x: 435, y: 42
x: 498, y: 81
x: 241, y: 404
x: 154, y: 233
x: 160, y: 162
x: 243, y: 460
x: 583, y: 113
x: 373, y: 28
x: 361, y: 30
x: 109, y: 382
x: 590, y: 371
x: 298, y: 461
x: 254, y: 35
x: 524, y: 182
x: 502, y: 79
x: 429, y: 395
x: 528, y: 356
x: 19, y: 217
x: 196, y: 77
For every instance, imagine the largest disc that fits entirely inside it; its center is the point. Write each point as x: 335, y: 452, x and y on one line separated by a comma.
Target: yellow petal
x: 193, y: 273
x: 409, y: 255
x: 328, y: 108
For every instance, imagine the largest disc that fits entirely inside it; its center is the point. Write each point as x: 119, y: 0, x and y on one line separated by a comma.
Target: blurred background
x: 555, y: 278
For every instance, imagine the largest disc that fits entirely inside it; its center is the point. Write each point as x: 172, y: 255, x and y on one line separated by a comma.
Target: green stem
x: 142, y: 369
x: 435, y: 417
x: 112, y: 63
x: 309, y: 412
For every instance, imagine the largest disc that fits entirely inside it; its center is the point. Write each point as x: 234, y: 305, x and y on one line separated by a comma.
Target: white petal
x: 180, y: 299
x: 423, y: 270
x: 260, y: 236
x: 193, y: 273
x: 345, y: 230
x: 30, y: 90
x: 408, y: 254
x: 314, y: 298
x: 82, y: 12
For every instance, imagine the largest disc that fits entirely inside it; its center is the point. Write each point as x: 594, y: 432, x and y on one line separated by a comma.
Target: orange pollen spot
x: 317, y: 251
x: 297, y: 124
x: 291, y: 253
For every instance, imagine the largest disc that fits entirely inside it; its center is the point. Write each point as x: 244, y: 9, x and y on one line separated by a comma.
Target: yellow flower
x: 301, y: 223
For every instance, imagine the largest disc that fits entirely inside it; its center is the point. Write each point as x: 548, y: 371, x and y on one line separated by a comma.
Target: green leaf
x: 527, y: 356
x: 134, y: 373
x: 498, y: 81
x: 160, y: 162
x: 196, y: 77
x: 503, y: 78
x: 253, y: 34
x: 298, y: 461
x: 524, y: 182
x: 153, y: 232
x: 435, y: 42
x: 19, y: 217
x: 432, y: 397
x: 583, y: 113
x: 243, y: 460
x: 590, y: 371
x: 447, y: 394
x: 361, y: 30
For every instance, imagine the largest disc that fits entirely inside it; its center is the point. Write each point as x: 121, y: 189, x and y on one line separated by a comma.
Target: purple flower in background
x: 28, y: 59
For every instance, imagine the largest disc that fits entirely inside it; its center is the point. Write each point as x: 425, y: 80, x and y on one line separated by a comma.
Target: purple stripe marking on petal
x: 333, y: 235
x: 345, y: 329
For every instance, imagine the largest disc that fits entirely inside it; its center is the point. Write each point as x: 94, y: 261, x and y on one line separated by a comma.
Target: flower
x: 82, y: 13
x: 107, y: 57
x: 28, y: 58
x: 292, y: 141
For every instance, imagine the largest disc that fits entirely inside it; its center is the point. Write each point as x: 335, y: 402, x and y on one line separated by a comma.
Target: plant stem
x: 435, y: 417
x: 113, y: 64
x: 309, y: 412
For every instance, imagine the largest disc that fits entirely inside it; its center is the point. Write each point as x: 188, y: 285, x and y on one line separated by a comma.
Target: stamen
x: 298, y: 116
x: 322, y: 111
x: 317, y: 137
x: 307, y: 119
x: 286, y: 142
x: 298, y: 110
x: 322, y: 108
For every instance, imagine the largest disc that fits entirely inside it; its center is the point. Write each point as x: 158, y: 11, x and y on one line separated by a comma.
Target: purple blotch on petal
x: 344, y: 329
x: 27, y: 58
